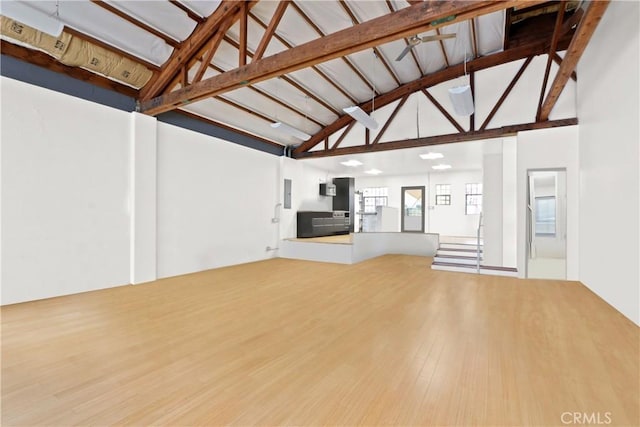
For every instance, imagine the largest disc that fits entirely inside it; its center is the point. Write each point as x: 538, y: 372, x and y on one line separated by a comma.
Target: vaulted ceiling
x: 244, y: 65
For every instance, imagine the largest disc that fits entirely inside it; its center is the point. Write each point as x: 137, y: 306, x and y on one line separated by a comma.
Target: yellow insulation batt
x: 76, y: 52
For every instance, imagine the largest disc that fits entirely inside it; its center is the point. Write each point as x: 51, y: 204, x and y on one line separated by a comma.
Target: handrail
x: 478, y: 243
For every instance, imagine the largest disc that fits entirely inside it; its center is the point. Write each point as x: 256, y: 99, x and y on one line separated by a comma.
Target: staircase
x: 465, y: 258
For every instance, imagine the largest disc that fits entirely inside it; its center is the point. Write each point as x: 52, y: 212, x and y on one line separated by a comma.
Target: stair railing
x: 478, y: 244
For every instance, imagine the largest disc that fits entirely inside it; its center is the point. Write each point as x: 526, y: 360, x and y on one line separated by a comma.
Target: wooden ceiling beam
x: 442, y: 49
x: 180, y: 56
x: 345, y: 60
x: 314, y: 68
x: 343, y: 136
x: 439, y: 139
x: 442, y: 110
x: 242, y: 52
x: 472, y: 84
x: 506, y: 93
x: 270, y: 30
x: 552, y: 51
x: 148, y: 28
x: 390, y: 119
x: 474, y: 38
x: 558, y: 60
x: 444, y: 75
x: 420, y: 17
x: 581, y: 37
x: 213, y: 43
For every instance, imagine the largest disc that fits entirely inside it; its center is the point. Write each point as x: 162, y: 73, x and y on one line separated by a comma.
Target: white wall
x: 65, y: 194
x: 215, y: 202
x: 555, y: 148
x: 509, y: 202
x: 305, y: 193
x: 451, y: 220
x: 492, y: 179
x: 81, y: 192
x: 608, y: 109
x: 143, y: 162
x: 444, y: 220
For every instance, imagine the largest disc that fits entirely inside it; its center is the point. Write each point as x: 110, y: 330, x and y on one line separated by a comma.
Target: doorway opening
x: 546, y: 224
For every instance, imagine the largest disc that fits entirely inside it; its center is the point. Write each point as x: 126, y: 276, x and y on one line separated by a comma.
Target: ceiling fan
x: 416, y: 40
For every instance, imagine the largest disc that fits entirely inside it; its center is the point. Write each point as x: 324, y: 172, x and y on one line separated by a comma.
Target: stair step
x: 457, y: 259
x: 458, y: 252
x: 459, y: 246
x: 466, y: 268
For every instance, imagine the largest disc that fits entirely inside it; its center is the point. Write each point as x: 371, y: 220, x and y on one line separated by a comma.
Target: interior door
x: 412, y: 219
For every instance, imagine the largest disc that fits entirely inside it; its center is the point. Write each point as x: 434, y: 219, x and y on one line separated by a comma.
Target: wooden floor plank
x: 286, y: 342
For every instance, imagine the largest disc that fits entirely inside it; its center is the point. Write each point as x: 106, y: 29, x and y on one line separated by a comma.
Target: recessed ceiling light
x: 431, y: 156
x: 441, y: 167
x: 373, y: 171
x: 352, y: 163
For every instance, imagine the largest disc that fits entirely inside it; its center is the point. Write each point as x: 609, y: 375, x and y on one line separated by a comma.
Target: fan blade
x: 404, y: 53
x: 437, y: 37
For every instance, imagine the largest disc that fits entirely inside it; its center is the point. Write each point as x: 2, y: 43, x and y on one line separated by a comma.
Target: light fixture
x: 461, y: 96
x: 351, y: 163
x: 462, y: 100
x: 441, y: 167
x: 290, y: 130
x: 431, y: 156
x: 373, y: 171
x: 362, y: 117
x: 24, y: 13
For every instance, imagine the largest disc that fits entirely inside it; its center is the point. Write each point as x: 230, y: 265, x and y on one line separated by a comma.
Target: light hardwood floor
x: 387, y: 341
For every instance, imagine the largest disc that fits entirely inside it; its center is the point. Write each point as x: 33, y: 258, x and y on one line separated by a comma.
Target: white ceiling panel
x: 490, y: 32
x: 406, y: 69
x: 294, y: 29
x: 163, y: 16
x: 224, y: 113
x: 373, y: 69
x: 202, y: 7
x: 366, y: 11
x: 90, y: 19
x: 271, y: 109
x: 338, y: 70
x: 284, y: 91
x: 327, y: 15
x: 310, y: 80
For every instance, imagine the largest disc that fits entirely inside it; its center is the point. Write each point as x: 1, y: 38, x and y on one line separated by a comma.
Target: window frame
x: 443, y: 195
x: 473, y: 191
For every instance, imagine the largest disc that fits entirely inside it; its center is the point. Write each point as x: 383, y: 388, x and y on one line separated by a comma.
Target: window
x: 443, y: 194
x: 372, y: 197
x: 473, y: 199
x: 546, y: 216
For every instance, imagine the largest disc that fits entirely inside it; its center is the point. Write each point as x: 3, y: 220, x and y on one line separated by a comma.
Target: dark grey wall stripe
x: 196, y: 125
x: 39, y: 76
x: 35, y: 75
